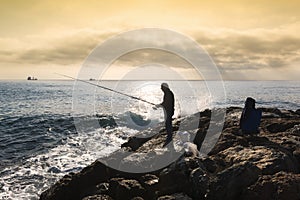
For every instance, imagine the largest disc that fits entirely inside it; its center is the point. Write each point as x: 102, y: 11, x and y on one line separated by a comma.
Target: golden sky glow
x: 247, y: 39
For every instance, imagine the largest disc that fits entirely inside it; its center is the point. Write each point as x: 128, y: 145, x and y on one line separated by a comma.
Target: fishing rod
x: 106, y: 88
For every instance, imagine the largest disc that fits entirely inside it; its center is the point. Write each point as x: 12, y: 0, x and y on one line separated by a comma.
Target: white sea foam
x: 28, y: 179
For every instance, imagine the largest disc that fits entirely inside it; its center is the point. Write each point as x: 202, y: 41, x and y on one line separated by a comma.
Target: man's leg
x: 169, y: 128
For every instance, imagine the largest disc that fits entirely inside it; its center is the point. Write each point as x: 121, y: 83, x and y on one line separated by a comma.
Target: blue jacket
x: 251, y: 122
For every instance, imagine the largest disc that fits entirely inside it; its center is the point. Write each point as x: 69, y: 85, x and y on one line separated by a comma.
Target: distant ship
x: 29, y: 78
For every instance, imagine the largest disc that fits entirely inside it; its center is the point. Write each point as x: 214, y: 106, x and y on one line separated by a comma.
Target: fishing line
x: 106, y: 88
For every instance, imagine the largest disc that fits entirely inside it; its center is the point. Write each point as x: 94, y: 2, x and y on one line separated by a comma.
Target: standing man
x: 168, y: 106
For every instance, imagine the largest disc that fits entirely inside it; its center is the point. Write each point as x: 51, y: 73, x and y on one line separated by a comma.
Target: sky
x: 246, y: 39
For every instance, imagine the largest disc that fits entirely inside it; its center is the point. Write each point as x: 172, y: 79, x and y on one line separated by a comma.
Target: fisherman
x: 168, y: 106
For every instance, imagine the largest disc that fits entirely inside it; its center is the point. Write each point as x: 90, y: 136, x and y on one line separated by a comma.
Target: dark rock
x: 271, y: 110
x: 296, y: 155
x: 175, y: 178
x: 106, y: 121
x: 135, y: 142
x: 74, y: 186
x: 102, y: 188
x: 98, y: 197
x: 240, y: 166
x: 149, y: 180
x: 137, y: 198
x: 125, y: 188
x: 200, y: 181
x: 288, y: 114
x: 210, y: 164
x: 179, y: 196
x: 269, y: 160
x: 233, y: 109
x: 150, y: 183
x: 54, y: 170
x: 281, y: 126
x: 147, y: 162
x: 295, y: 130
x: 279, y: 186
x: 205, y: 113
x: 230, y: 183
x: 227, y: 140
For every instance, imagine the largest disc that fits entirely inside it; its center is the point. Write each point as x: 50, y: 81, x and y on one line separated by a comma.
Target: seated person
x: 250, y: 119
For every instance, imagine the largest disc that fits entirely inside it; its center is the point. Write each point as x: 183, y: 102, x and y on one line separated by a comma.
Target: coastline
x: 263, y: 166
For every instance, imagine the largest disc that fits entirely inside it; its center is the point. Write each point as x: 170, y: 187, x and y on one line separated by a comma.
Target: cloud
x: 232, y: 50
x: 65, y: 49
x: 245, y: 50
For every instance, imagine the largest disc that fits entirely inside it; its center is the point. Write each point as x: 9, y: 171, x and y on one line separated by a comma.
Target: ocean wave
x: 38, y: 150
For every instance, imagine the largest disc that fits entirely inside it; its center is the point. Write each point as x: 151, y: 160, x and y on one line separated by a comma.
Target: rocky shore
x: 259, y: 167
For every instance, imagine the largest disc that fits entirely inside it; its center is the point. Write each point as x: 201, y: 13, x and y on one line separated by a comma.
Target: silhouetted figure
x: 250, y: 119
x: 168, y: 105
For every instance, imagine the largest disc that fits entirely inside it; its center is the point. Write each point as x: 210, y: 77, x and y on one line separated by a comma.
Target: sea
x: 48, y: 129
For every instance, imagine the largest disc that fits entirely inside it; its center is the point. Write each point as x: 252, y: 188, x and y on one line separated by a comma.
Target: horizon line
x: 148, y: 80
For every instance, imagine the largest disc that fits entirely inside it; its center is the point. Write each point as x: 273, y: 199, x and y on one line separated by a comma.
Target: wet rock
x: 135, y: 142
x: 105, y: 121
x: 54, y: 170
x: 74, y: 186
